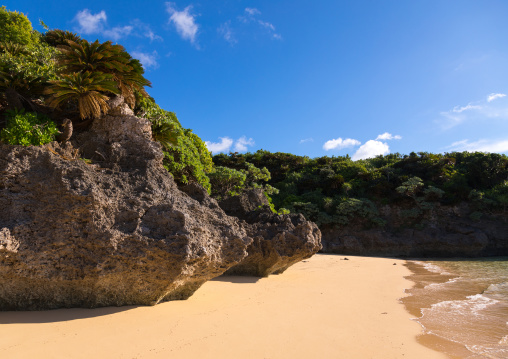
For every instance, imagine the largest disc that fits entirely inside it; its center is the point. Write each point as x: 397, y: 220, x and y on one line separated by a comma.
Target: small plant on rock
x: 28, y: 129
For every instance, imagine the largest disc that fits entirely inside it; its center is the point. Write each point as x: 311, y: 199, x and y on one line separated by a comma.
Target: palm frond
x: 87, y: 88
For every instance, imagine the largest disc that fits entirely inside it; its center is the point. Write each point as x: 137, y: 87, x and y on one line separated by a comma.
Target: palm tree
x: 131, y: 82
x: 109, y: 59
x: 58, y: 37
x: 87, y: 88
x: 85, y: 56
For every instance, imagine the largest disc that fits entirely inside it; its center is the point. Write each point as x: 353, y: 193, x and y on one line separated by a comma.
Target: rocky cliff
x: 279, y: 240
x: 99, y: 222
x: 447, y: 231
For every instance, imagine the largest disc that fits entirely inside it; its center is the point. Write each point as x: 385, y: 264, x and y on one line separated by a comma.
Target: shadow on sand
x: 236, y: 279
x: 64, y: 315
x: 58, y: 315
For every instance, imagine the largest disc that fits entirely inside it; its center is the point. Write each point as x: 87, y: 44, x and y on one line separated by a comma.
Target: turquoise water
x: 463, y: 303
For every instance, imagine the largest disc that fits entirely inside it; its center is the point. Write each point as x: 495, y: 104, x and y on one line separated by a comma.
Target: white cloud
x: 371, y: 149
x: 96, y: 23
x: 496, y: 146
x: 147, y: 60
x: 242, y: 143
x: 339, y: 143
x: 266, y: 24
x: 494, y: 96
x: 118, y: 32
x: 251, y: 17
x: 223, y: 146
x: 388, y: 136
x: 151, y: 35
x: 226, y: 143
x: 478, y: 110
x: 310, y: 139
x: 90, y: 23
x: 227, y: 33
x: 184, y: 22
x: 144, y: 30
x: 252, y: 11
x: 468, y: 107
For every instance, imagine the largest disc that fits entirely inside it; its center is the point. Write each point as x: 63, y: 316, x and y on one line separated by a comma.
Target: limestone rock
x: 115, y: 232
x: 7, y: 242
x: 448, y: 233
x: 279, y: 240
x: 118, y: 107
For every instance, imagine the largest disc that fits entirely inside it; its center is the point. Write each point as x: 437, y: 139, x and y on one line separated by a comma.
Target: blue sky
x: 314, y: 78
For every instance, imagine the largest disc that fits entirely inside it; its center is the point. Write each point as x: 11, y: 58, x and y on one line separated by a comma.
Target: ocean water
x: 462, y: 306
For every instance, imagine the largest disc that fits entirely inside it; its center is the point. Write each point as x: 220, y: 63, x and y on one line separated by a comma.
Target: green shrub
x: 354, y: 207
x: 28, y: 128
x: 226, y: 181
x: 283, y: 211
x: 433, y: 194
x: 308, y: 209
x: 36, y: 60
x: 185, y: 154
x: 499, y: 195
x: 410, y: 187
x: 15, y: 27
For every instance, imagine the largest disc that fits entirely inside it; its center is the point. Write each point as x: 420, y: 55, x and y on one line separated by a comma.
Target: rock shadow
x: 58, y: 315
x: 240, y: 279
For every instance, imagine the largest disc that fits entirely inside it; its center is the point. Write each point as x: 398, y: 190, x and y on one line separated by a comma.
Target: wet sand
x: 324, y: 307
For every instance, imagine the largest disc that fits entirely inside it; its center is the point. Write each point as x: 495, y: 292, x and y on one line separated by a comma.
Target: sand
x: 324, y: 307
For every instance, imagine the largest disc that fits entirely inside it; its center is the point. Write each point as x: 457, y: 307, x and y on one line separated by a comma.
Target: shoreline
x: 460, y: 304
x: 325, y: 307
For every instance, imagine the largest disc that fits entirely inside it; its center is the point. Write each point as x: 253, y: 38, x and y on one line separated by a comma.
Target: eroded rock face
x: 116, y: 232
x: 279, y: 240
x: 450, y: 232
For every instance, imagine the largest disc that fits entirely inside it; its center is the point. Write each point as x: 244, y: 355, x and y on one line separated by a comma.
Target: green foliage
x: 106, y: 58
x: 410, y: 187
x: 188, y: 160
x: 27, y: 69
x: 15, y: 27
x: 481, y: 170
x: 433, y: 194
x: 475, y: 195
x: 58, y: 37
x: 308, y: 209
x: 185, y: 154
x: 282, y: 211
x: 353, y: 208
x: 226, y: 182
x: 232, y: 182
x: 317, y: 187
x: 28, y: 128
x: 87, y: 89
x: 499, y: 195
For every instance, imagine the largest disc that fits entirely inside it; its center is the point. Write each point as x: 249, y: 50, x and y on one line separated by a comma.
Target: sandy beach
x: 324, y: 307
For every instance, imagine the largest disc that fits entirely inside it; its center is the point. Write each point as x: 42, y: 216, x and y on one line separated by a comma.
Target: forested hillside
x: 332, y: 190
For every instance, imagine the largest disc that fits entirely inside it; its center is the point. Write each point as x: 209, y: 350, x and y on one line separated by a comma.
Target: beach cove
x: 323, y: 307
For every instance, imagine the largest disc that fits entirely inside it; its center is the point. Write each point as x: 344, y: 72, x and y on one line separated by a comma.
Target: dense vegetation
x: 332, y: 190
x: 46, y: 77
